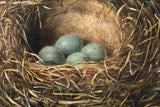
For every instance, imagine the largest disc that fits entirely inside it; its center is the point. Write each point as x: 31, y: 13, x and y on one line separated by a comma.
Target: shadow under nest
x: 128, y: 77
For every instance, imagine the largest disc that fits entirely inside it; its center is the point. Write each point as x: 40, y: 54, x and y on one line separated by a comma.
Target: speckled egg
x: 51, y: 56
x: 76, y: 57
x: 69, y: 44
x: 94, y: 51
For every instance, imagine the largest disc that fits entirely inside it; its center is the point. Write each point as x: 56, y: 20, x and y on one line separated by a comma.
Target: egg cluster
x: 70, y: 49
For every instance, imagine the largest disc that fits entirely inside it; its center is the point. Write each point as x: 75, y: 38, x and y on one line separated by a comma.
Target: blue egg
x: 76, y: 57
x: 94, y: 51
x: 51, y: 56
x: 69, y: 44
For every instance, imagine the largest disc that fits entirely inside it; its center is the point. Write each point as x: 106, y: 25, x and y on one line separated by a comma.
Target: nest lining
x: 127, y: 78
x: 78, y: 17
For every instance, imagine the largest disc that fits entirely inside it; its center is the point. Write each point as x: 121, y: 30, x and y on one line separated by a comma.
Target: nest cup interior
x: 93, y: 21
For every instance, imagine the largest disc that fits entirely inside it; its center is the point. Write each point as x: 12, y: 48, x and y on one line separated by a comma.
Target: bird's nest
x: 130, y: 77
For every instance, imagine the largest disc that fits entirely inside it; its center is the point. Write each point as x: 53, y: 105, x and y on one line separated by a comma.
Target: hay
x: 128, y: 78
